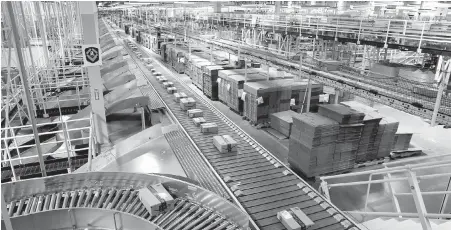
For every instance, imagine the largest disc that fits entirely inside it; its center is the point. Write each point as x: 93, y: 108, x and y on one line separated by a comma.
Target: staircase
x: 404, y: 224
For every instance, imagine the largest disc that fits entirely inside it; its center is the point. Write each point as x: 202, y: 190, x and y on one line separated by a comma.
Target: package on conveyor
x: 282, y: 121
x: 199, y: 120
x: 341, y: 113
x: 187, y: 103
x: 195, y: 113
x: 162, y: 79
x: 167, y: 84
x: 210, y: 127
x: 171, y: 90
x: 178, y: 96
x: 156, y: 199
x: 225, y: 144
x: 294, y: 219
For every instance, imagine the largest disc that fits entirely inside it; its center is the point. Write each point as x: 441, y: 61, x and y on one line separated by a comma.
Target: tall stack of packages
x: 226, y: 83
x: 236, y: 88
x: 368, y: 146
x: 312, y: 144
x: 386, y: 136
x: 300, y: 92
x: 402, y: 141
x: 283, y: 121
x: 348, y: 138
x: 200, y: 73
x: 260, y: 99
x: 210, y: 83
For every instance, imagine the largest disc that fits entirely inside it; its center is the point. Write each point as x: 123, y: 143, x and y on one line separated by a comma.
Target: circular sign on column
x: 91, y: 55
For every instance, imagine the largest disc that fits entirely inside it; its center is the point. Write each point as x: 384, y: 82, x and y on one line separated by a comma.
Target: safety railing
x: 20, y: 149
x: 393, y: 175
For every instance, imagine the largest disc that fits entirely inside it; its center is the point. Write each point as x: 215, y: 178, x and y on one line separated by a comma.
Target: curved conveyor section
x: 101, y: 199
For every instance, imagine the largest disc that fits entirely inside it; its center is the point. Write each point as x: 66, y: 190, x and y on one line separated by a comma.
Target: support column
x: 217, y: 7
x: 277, y: 8
x: 5, y: 215
x: 89, y: 21
x: 24, y: 75
x: 418, y: 199
x: 337, y: 95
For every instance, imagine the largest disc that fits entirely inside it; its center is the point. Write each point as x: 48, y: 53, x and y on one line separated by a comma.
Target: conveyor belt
x: 415, y: 104
x: 191, y: 162
x: 155, y: 101
x: 187, y: 215
x: 33, y: 170
x: 268, y: 187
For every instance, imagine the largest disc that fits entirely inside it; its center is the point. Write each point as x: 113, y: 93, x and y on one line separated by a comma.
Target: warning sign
x: 91, y: 55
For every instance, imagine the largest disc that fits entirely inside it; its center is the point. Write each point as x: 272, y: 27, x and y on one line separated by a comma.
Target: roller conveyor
x: 268, y: 187
x: 415, y: 104
x: 185, y: 212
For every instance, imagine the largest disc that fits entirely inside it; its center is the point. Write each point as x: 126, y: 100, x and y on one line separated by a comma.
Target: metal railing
x: 60, y: 132
x: 404, y: 173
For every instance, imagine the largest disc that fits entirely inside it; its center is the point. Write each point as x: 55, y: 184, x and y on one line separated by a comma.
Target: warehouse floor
x: 353, y: 198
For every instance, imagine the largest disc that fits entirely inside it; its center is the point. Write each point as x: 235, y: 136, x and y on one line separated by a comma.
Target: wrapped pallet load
x: 210, y: 81
x: 156, y: 199
x: 225, y: 144
x: 266, y: 97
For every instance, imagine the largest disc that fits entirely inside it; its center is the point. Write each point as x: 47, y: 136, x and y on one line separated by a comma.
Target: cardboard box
x: 294, y: 219
x: 168, y: 84
x: 162, y: 79
x: 199, y: 120
x: 156, y: 199
x: 178, y: 96
x: 209, y: 128
x: 225, y: 144
x: 195, y: 113
x: 288, y: 220
x: 187, y: 103
x: 171, y: 90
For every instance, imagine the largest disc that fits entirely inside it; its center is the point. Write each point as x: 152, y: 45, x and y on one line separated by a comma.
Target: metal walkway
x: 266, y: 185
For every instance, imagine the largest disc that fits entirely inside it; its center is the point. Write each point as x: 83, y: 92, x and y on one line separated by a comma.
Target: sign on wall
x: 91, y: 55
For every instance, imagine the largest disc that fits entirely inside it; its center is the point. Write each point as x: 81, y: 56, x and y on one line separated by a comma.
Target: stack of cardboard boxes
x: 263, y: 98
x: 312, y: 144
x: 282, y: 121
x: 402, y: 141
x: 348, y: 138
x: 385, y: 137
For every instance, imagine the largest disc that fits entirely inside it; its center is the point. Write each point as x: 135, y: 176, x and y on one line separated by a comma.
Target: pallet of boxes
x: 312, y: 144
x: 349, y: 134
